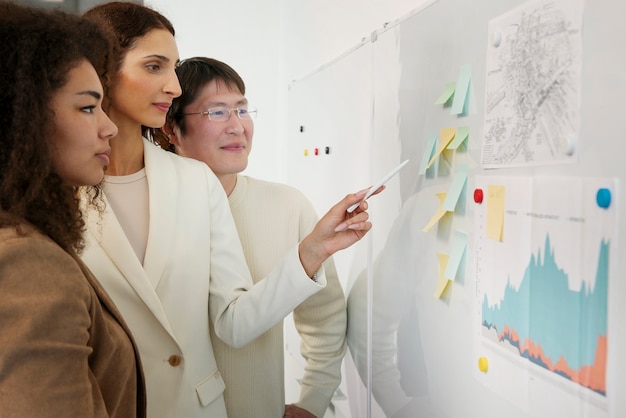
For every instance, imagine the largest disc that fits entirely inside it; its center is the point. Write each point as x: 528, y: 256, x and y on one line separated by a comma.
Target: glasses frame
x: 250, y: 111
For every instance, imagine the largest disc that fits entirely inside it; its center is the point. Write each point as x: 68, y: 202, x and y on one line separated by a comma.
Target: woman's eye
x: 153, y: 67
x: 88, y: 109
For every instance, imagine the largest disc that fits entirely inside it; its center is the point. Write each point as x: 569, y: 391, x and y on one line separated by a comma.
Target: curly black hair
x: 38, y: 50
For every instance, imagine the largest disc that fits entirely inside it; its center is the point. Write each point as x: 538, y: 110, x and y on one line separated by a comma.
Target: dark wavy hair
x: 126, y: 22
x: 38, y: 50
x: 194, y: 74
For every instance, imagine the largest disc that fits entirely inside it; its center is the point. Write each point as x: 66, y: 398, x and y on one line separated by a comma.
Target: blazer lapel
x: 110, y: 237
x: 161, y: 175
x: 109, y: 305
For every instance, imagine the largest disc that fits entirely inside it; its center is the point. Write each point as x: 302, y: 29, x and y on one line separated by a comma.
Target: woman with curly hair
x: 65, y: 350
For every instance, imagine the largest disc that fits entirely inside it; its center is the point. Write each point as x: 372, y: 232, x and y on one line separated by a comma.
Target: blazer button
x: 174, y: 360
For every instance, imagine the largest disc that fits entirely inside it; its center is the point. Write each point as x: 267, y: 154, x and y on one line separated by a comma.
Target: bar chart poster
x: 543, y: 268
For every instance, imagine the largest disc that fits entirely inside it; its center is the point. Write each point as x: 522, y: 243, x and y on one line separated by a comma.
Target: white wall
x: 271, y: 43
x: 320, y: 30
x: 248, y: 35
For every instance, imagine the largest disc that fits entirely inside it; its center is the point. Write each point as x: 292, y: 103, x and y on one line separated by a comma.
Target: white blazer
x: 194, y: 266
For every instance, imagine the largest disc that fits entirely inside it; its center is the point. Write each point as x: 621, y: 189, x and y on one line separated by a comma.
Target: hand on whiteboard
x: 336, y: 230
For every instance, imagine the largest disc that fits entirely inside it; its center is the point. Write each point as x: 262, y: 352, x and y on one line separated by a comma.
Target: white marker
x: 377, y: 185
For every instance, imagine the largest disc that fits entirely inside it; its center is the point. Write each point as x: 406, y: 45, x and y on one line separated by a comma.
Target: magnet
x: 301, y: 128
x: 327, y: 150
x: 306, y: 152
x: 570, y: 144
x: 483, y: 364
x: 316, y: 151
x: 478, y: 196
x: 603, y: 198
x: 496, y: 38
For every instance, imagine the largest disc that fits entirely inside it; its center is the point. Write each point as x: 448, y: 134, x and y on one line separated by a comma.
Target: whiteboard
x: 374, y: 107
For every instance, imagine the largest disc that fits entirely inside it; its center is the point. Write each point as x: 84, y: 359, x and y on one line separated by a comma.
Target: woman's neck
x: 126, y: 151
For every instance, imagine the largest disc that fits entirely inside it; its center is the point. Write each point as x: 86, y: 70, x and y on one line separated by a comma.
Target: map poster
x: 532, y: 85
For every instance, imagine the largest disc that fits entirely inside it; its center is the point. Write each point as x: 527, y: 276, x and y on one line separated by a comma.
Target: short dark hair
x: 194, y: 74
x: 38, y: 50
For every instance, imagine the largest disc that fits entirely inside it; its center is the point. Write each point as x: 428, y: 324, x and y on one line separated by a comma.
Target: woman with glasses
x: 166, y: 247
x: 65, y: 350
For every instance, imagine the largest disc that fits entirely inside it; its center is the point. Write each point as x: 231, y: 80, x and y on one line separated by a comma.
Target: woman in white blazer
x: 165, y: 247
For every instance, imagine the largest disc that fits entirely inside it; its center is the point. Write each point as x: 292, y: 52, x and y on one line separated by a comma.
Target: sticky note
x: 462, y: 88
x: 456, y: 255
x: 428, y: 152
x: 445, y: 136
x: 462, y: 132
x: 495, y: 212
x: 448, y: 91
x: 442, y: 282
x: 458, y: 183
x: 438, y: 214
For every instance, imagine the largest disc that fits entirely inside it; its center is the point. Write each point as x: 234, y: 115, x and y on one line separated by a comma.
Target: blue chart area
x: 560, y: 329
x: 542, y: 292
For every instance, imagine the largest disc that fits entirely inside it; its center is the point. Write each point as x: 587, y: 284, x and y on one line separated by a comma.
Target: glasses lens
x: 249, y: 113
x: 222, y: 114
x: 219, y: 113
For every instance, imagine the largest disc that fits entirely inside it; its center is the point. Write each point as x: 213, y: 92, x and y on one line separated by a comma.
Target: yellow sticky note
x: 439, y: 214
x: 495, y: 212
x: 445, y: 136
x: 442, y: 282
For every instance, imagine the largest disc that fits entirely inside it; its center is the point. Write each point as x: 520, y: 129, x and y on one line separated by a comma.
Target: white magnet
x: 496, y: 37
x: 570, y: 144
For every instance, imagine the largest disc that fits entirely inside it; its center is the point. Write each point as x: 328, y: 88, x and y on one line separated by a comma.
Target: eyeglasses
x: 222, y: 114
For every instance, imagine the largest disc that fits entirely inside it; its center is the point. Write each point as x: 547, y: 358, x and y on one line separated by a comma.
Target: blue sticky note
x: 462, y: 132
x: 458, y: 251
x: 458, y: 182
x: 428, y: 152
x: 462, y: 88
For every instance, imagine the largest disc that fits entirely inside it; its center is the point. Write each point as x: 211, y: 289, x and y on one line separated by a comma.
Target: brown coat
x: 64, y: 349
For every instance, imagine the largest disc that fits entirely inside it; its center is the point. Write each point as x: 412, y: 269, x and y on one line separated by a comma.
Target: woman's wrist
x: 310, y: 257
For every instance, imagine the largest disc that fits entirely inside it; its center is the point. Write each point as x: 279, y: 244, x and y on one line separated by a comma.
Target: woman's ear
x: 170, y: 133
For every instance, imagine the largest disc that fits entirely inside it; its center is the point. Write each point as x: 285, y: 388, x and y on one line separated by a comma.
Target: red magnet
x: 478, y: 196
x: 317, y: 151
